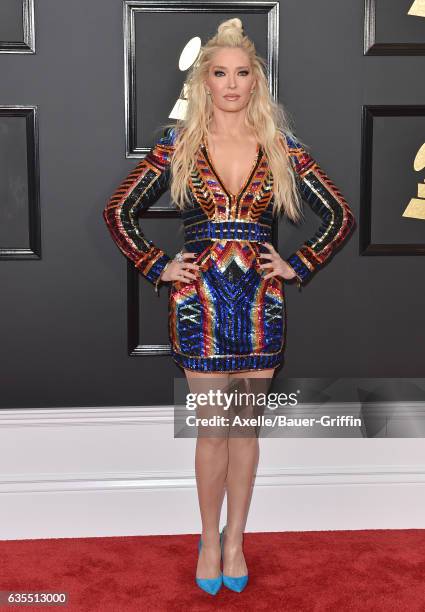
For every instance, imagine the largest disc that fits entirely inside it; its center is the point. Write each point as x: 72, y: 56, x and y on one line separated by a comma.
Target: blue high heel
x: 209, y: 585
x: 237, y: 583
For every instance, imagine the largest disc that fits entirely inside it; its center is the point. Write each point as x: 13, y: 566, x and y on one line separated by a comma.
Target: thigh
x: 207, y: 390
x: 269, y: 373
x: 252, y: 380
x: 251, y: 387
x: 204, y: 381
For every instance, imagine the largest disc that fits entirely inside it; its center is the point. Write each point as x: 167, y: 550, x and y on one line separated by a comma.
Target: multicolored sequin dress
x: 229, y: 318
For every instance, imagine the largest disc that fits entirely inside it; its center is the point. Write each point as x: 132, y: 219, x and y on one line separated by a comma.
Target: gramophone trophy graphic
x: 187, y: 57
x: 417, y: 9
x: 416, y: 207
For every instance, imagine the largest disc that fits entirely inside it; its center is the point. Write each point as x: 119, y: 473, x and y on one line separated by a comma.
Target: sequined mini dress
x: 230, y: 318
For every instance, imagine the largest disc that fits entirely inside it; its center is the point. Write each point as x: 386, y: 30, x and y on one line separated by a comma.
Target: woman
x: 232, y: 164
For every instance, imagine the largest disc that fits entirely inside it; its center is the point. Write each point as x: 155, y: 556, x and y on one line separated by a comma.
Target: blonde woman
x: 233, y: 165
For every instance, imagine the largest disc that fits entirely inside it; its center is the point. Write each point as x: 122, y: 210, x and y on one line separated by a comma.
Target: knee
x: 213, y: 443
x: 244, y: 441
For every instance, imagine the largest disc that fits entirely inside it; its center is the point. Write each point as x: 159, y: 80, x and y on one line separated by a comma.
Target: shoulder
x: 297, y: 152
x: 161, y: 153
x: 168, y: 137
x: 290, y: 140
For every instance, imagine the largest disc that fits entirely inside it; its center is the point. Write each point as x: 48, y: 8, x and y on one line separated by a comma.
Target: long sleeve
x: 141, y: 188
x: 326, y: 201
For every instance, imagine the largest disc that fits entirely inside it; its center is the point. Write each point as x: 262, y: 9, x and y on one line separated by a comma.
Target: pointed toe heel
x: 209, y: 585
x: 234, y: 583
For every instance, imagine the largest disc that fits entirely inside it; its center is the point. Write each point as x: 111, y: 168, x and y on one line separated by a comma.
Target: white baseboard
x: 89, y: 472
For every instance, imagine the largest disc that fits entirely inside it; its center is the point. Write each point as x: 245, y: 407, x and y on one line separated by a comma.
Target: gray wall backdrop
x: 64, y: 317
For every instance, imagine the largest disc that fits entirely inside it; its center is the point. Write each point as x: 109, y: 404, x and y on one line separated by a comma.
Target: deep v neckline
x: 218, y: 177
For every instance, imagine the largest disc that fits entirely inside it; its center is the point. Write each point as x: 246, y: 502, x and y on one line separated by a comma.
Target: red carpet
x: 370, y: 570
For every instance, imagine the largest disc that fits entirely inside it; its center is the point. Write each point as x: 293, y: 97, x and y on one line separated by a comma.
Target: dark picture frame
x: 31, y: 156
x: 27, y: 45
x: 131, y: 9
x: 366, y: 247
x: 372, y: 47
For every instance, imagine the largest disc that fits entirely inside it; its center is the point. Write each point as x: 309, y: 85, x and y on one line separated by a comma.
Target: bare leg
x: 211, y: 461
x: 243, y: 462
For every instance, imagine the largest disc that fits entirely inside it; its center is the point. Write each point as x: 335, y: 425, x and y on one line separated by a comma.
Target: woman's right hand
x: 180, y: 270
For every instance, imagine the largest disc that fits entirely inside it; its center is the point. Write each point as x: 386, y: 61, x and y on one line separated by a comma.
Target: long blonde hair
x: 267, y: 119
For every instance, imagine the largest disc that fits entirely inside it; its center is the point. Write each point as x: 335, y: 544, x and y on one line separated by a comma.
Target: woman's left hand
x: 278, y: 266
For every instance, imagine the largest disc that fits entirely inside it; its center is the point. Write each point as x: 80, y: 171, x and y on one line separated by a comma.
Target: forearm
x: 139, y: 190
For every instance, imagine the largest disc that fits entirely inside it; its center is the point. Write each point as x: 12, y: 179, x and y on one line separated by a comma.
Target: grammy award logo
x: 417, y: 9
x: 416, y: 207
x: 187, y: 57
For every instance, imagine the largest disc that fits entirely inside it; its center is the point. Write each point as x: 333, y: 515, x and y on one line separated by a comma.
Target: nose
x: 232, y: 82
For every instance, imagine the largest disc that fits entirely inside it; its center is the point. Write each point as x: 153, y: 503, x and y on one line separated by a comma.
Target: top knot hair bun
x: 229, y: 32
x: 231, y: 24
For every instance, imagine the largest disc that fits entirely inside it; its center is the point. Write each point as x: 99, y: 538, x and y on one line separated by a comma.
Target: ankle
x: 233, y: 538
x: 210, y: 538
